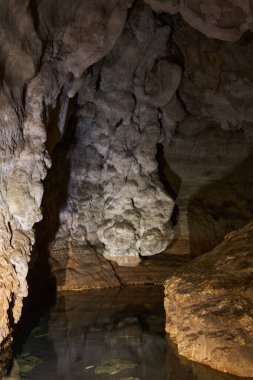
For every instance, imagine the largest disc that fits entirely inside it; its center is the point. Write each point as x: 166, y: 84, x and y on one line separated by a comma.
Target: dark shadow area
x: 87, y: 329
x: 170, y: 180
x: 41, y: 282
x: 220, y: 208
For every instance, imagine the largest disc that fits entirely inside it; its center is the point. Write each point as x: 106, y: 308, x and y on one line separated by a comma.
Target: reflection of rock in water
x: 113, y: 332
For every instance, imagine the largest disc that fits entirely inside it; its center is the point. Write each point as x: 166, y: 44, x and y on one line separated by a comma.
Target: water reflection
x: 113, y: 334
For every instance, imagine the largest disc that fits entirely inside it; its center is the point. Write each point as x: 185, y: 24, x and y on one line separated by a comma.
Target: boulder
x: 209, y: 306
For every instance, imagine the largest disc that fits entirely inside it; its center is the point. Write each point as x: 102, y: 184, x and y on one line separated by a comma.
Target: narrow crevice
x: 173, y: 193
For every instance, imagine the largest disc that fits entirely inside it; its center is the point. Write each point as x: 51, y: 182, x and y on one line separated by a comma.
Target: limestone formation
x: 209, y: 306
x: 114, y: 202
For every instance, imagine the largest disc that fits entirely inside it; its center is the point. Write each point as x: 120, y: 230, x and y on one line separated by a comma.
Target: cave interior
x: 126, y: 149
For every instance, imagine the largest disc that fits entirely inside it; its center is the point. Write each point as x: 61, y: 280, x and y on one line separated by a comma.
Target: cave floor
x: 115, y: 333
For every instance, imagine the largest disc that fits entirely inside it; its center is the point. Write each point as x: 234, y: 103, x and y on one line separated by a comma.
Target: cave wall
x: 209, y: 152
x: 44, y: 45
x: 222, y: 19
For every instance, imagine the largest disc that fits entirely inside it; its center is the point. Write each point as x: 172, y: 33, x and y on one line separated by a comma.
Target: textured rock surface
x: 35, y: 64
x: 217, y: 81
x: 111, y: 201
x: 223, y: 19
x: 209, y: 152
x: 211, y: 170
x: 93, y: 271
x: 179, y: 368
x: 209, y: 306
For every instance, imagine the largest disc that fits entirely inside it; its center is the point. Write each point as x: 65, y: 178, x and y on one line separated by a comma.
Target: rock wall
x: 222, y: 19
x: 209, y: 152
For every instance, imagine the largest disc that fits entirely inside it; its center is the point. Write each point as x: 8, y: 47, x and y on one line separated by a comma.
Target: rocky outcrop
x: 223, y: 19
x: 209, y: 306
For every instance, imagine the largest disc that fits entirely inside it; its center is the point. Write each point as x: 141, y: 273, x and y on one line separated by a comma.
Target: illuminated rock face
x: 115, y: 203
x: 208, y: 306
x: 35, y: 65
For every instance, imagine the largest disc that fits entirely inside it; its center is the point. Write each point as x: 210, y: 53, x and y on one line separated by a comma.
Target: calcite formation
x: 115, y: 203
x: 209, y: 306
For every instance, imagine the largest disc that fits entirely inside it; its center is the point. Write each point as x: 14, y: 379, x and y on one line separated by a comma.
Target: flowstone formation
x: 115, y: 204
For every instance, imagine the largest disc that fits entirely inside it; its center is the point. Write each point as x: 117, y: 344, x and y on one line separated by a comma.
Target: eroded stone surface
x: 209, y: 306
x: 114, y: 202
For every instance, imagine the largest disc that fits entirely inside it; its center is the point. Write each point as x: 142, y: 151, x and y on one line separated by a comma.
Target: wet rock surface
x: 209, y: 306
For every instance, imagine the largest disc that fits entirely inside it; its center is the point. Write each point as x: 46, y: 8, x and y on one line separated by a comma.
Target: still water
x: 115, y: 334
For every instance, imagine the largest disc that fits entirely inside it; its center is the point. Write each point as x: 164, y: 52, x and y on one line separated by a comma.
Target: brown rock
x: 81, y: 269
x: 209, y: 306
